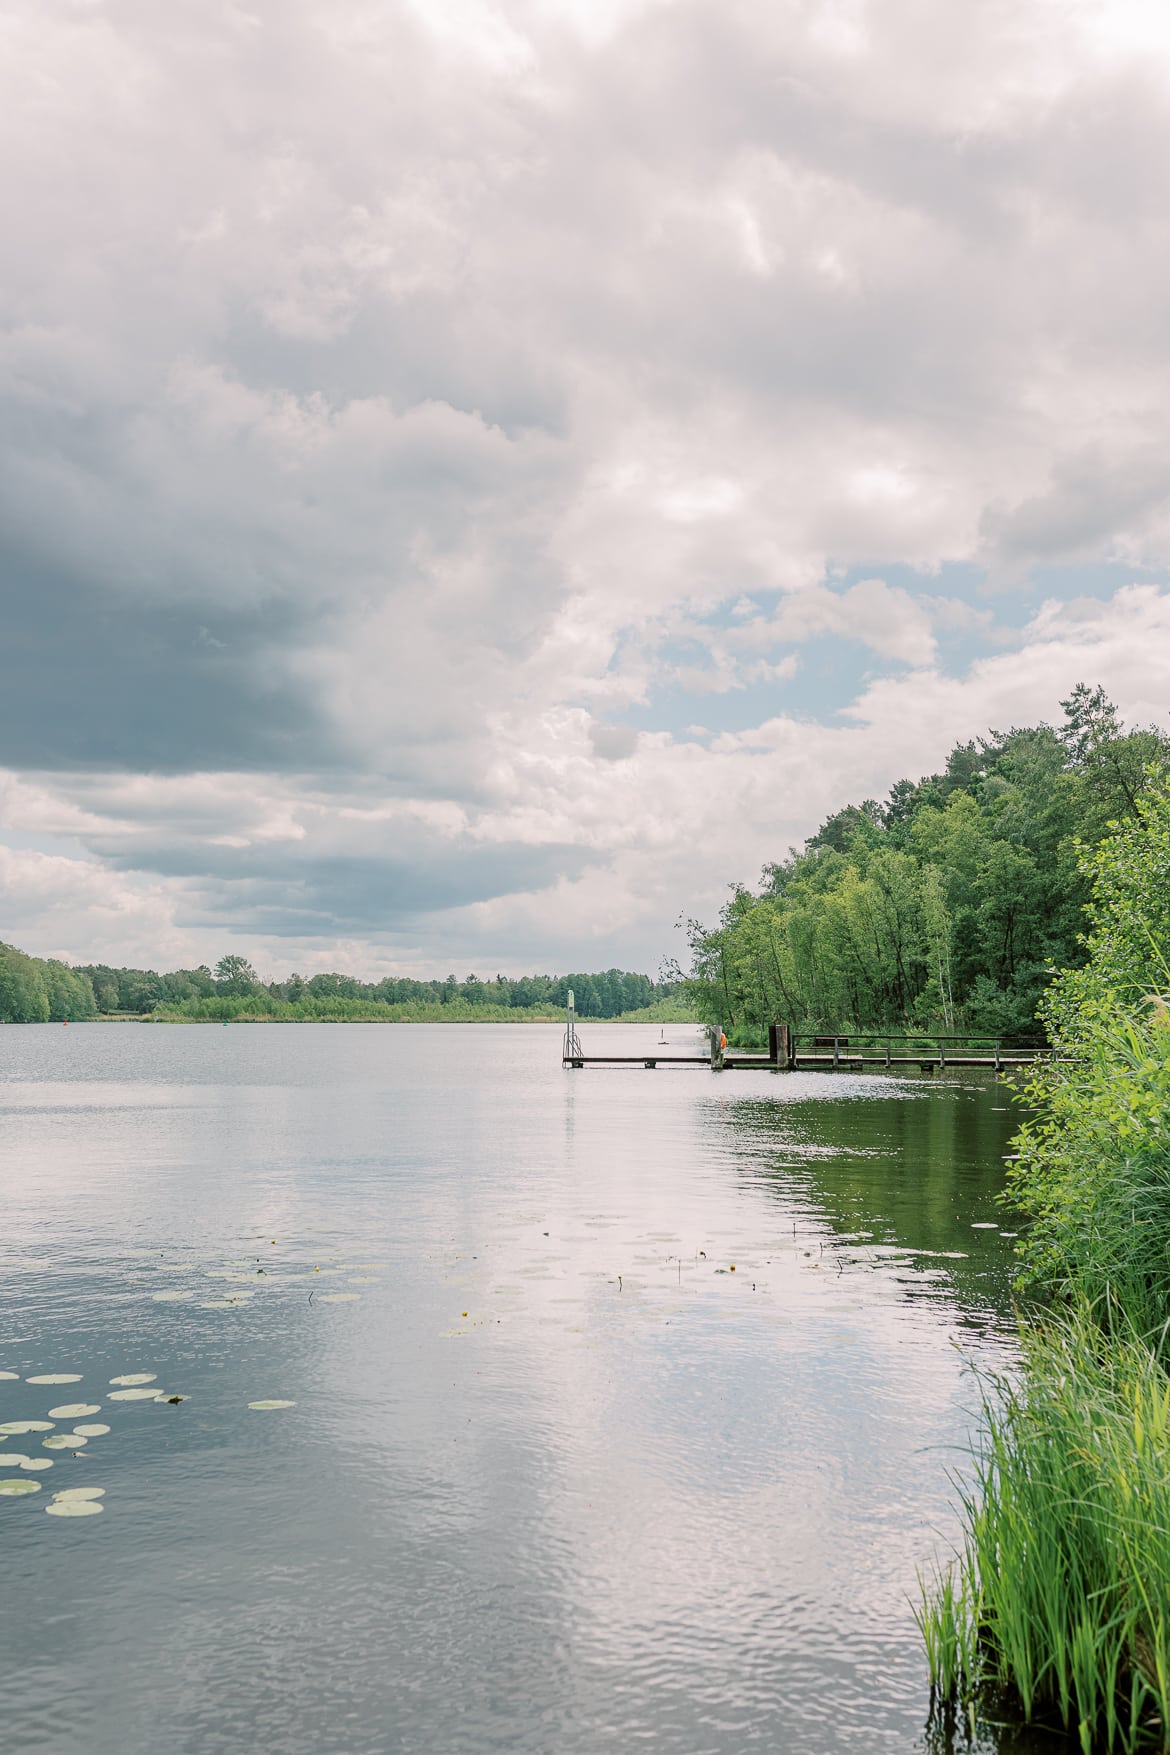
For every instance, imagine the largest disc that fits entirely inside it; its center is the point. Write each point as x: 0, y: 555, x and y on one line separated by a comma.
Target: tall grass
x: 1061, y: 1595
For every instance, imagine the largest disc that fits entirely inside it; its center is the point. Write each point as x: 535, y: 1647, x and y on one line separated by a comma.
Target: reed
x: 1061, y: 1594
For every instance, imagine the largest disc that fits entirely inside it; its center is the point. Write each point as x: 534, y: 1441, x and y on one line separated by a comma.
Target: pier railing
x: 792, y: 1051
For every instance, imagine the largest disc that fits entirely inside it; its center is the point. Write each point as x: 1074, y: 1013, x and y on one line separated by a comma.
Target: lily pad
x: 27, y: 1426
x: 81, y: 1493
x: 73, y: 1508
x: 12, y: 1459
x: 64, y: 1441
x: 132, y: 1395
x: 75, y: 1410
x: 91, y: 1431
x: 14, y: 1489
x: 340, y: 1298
x: 34, y: 1463
x: 263, y: 1406
x: 56, y: 1377
x: 132, y: 1377
x: 10, y: 1376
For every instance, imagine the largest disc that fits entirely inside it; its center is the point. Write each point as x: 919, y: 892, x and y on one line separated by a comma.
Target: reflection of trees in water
x: 916, y: 1170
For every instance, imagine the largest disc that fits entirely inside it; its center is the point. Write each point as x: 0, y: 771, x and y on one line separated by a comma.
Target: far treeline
x: 945, y: 910
x: 34, y: 990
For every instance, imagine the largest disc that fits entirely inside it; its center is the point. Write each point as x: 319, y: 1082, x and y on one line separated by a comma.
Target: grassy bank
x: 1059, y: 1602
x: 264, y: 1008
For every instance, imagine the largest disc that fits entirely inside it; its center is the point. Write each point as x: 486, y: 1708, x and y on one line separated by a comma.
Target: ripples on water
x: 556, y: 1480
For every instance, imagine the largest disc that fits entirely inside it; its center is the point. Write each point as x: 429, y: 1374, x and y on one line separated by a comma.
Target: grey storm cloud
x: 378, y: 382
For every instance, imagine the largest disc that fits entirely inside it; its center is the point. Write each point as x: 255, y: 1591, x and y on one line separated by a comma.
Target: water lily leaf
x: 340, y: 1298
x: 63, y: 1441
x: 81, y: 1493
x: 265, y: 1405
x: 14, y: 1489
x: 10, y: 1376
x: 12, y: 1459
x: 37, y: 1462
x: 132, y: 1377
x: 56, y: 1377
x: 75, y: 1410
x: 92, y: 1431
x: 132, y: 1395
x: 73, y: 1508
x: 27, y: 1426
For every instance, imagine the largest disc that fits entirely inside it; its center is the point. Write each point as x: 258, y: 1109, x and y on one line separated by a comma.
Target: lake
x: 556, y: 1479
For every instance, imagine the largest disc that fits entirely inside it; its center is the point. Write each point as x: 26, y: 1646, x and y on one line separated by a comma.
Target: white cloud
x: 394, y: 397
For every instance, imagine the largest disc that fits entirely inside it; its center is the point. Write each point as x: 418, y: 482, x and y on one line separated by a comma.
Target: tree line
x: 948, y: 907
x: 36, y: 990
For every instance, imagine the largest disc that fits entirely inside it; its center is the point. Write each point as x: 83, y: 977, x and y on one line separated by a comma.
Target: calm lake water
x: 556, y: 1479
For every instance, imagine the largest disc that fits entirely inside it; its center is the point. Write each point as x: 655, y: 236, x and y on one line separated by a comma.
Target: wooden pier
x: 788, y: 1052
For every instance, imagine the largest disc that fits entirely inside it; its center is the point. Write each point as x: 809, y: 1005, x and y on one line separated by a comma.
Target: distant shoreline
x: 265, y: 1018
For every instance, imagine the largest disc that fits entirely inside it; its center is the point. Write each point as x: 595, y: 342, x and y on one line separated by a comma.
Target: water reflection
x: 557, y: 1477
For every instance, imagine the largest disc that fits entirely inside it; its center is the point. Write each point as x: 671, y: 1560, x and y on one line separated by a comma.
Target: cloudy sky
x: 477, y: 476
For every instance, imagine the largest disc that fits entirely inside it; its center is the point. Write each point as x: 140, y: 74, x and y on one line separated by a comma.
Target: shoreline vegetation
x: 945, y: 910
x: 214, y: 1011
x: 1056, y: 1609
x: 34, y: 990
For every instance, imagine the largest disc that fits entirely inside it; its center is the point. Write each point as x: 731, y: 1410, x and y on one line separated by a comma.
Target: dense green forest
x: 33, y: 990
x: 946, y: 908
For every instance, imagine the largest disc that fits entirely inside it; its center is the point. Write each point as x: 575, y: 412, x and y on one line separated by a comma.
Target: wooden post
x: 774, y: 1044
x: 716, y: 1050
x: 790, y: 1039
x: 836, y: 1052
x: 942, y: 1056
x: 887, y: 1054
x: 998, y: 1066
